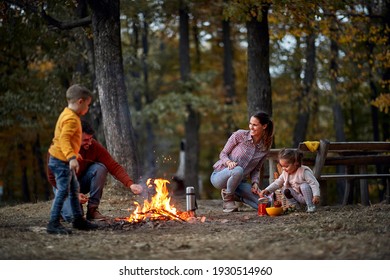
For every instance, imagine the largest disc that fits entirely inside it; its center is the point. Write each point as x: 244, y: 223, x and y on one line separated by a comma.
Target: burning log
x: 158, y: 214
x: 158, y: 207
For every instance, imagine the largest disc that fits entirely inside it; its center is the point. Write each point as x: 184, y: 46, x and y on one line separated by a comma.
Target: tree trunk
x: 374, y: 95
x: 88, y: 68
x: 184, y: 42
x: 192, y: 123
x: 228, y: 76
x: 23, y: 168
x: 150, y: 164
x: 195, y: 32
x: 305, y: 101
x: 383, y: 120
x: 111, y: 87
x: 374, y: 92
x: 192, y: 150
x: 40, y: 170
x: 134, y: 70
x: 259, y: 95
x: 228, y: 70
x: 338, y: 116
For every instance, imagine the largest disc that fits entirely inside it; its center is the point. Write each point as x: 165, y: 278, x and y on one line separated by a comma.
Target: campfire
x: 158, y: 207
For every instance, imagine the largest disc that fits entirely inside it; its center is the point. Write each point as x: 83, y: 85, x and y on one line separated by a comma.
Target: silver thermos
x: 191, y: 199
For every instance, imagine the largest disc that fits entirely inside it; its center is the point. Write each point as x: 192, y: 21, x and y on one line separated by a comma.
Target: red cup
x: 261, y: 209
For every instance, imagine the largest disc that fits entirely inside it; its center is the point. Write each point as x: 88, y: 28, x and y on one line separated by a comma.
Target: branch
x: 65, y: 25
x: 52, y: 22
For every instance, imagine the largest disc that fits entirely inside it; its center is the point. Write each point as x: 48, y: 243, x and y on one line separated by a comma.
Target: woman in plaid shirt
x: 242, y: 158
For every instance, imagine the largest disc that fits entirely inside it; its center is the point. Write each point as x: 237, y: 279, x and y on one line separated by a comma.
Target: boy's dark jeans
x: 66, y: 185
x: 91, y: 182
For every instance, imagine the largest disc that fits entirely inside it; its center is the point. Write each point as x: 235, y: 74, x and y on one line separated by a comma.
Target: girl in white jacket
x: 297, y: 181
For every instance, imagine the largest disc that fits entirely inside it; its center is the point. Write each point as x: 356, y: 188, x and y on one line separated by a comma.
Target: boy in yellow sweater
x: 63, y: 162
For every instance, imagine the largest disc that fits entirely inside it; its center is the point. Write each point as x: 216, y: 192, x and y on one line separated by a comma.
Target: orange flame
x: 158, y: 208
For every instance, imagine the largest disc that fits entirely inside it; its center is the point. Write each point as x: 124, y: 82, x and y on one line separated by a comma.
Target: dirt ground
x: 332, y: 233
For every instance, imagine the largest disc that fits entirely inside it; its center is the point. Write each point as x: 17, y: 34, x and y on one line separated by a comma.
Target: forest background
x: 172, y: 79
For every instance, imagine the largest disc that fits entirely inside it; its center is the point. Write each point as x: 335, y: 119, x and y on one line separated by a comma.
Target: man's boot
x: 94, y: 214
x: 228, y: 202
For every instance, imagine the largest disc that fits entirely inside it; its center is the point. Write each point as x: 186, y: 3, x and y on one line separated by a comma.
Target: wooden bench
x: 346, y: 161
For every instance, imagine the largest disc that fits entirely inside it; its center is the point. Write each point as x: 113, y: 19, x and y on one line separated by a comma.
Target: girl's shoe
x: 311, y: 209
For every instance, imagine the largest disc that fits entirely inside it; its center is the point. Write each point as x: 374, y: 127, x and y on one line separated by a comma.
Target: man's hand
x: 136, y: 188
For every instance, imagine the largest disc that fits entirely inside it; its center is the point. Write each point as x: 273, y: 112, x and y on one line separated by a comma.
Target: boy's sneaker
x: 311, y: 209
x: 83, y: 224
x: 57, y: 228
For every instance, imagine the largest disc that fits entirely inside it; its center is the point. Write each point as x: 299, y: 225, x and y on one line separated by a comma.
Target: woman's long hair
x: 264, y: 118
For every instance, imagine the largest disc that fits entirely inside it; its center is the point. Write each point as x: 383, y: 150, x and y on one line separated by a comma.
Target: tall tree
x: 136, y: 18
x: 118, y: 129
x: 306, y: 98
x: 386, y: 71
x: 259, y: 95
x: 150, y: 156
x: 338, y: 116
x: 228, y: 74
x: 192, y: 123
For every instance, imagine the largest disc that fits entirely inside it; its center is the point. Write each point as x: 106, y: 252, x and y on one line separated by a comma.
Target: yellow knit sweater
x: 67, y: 136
